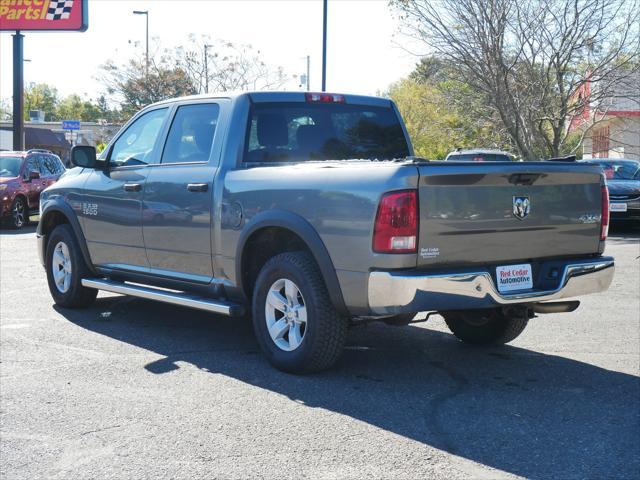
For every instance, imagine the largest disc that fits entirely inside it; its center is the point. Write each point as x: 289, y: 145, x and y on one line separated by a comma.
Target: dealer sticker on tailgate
x: 514, y: 277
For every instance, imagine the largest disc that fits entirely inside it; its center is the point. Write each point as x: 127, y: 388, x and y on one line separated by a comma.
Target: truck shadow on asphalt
x: 527, y: 413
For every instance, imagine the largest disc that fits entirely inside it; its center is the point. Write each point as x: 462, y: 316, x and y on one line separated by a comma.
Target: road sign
x: 32, y: 15
x: 71, y: 124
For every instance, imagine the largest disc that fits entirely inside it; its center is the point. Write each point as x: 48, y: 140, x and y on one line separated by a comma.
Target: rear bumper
x: 403, y: 292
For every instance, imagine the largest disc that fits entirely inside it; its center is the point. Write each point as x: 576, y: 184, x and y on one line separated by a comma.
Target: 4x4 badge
x: 521, y: 207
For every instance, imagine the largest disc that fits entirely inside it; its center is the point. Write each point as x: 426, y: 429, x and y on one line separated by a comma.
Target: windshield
x: 10, y: 166
x: 285, y: 132
x: 620, y: 170
x: 480, y: 157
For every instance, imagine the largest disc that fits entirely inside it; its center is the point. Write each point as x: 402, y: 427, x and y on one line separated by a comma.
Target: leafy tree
x: 40, y: 96
x: 440, y: 116
x: 529, y: 60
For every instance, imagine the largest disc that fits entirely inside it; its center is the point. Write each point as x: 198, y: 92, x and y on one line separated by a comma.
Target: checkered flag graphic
x: 59, y: 9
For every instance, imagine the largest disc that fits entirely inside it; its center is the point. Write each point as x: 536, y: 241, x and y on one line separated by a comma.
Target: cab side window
x: 191, y: 134
x: 135, y: 145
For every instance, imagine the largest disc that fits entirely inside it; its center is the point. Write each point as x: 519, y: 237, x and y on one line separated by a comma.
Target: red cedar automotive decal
x: 43, y: 15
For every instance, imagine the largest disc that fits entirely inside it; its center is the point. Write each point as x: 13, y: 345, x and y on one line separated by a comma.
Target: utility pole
x: 18, y: 91
x: 324, y: 47
x: 146, y: 14
x: 206, y: 69
x: 308, y: 71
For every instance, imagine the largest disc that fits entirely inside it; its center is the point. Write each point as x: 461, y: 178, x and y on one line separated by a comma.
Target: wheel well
x: 263, y: 245
x: 23, y: 197
x: 51, y: 221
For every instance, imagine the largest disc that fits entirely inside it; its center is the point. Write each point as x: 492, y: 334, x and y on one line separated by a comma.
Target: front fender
x: 49, y: 219
x: 301, y: 227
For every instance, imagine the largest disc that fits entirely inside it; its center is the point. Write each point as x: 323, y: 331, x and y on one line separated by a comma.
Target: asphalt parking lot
x: 135, y: 389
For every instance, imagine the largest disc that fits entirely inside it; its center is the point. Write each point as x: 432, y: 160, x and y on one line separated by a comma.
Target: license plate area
x: 511, y: 278
x: 617, y: 207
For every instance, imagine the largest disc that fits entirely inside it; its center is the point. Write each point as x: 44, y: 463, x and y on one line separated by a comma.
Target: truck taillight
x: 324, y: 98
x: 604, y: 222
x: 396, y: 226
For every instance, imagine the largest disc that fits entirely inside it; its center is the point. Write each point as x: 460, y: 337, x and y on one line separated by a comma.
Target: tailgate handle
x: 132, y: 187
x: 525, y: 178
x: 197, y: 187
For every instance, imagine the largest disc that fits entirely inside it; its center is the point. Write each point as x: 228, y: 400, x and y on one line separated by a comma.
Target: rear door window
x: 285, y: 132
x: 191, y: 134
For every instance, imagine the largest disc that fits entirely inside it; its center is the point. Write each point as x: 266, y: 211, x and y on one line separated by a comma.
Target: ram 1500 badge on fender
x: 309, y: 212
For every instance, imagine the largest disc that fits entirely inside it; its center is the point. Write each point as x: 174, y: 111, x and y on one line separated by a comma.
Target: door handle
x: 132, y: 187
x: 198, y: 187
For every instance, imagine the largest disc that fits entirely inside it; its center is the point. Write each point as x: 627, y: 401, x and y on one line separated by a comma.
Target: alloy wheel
x: 286, y: 315
x: 61, y: 267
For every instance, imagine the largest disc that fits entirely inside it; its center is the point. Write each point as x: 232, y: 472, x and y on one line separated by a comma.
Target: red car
x: 23, y: 175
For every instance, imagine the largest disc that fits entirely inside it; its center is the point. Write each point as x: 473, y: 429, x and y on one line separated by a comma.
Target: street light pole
x: 308, y: 71
x: 324, y: 47
x: 146, y: 14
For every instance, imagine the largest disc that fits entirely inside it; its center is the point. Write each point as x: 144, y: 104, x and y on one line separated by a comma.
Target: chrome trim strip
x: 392, y: 292
x: 166, y: 296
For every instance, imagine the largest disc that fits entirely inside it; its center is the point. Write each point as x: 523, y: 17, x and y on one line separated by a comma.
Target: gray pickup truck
x: 309, y: 213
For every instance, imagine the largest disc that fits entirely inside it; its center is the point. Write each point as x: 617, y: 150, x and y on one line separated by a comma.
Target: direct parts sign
x: 30, y: 15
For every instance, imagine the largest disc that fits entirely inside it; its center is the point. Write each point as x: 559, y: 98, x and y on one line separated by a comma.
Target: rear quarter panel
x: 339, y: 199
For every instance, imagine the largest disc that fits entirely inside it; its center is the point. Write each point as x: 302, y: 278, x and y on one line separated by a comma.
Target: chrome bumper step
x: 221, y: 307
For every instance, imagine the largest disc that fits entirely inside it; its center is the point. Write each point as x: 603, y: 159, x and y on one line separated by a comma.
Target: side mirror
x: 33, y: 175
x: 84, y: 156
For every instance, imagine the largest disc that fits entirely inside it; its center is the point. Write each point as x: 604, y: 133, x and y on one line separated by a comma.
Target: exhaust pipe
x: 556, y: 307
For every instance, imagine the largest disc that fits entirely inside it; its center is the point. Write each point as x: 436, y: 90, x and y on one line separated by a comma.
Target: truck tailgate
x: 501, y: 213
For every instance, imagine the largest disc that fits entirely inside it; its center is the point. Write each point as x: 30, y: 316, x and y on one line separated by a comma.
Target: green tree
x: 40, y: 96
x: 436, y: 124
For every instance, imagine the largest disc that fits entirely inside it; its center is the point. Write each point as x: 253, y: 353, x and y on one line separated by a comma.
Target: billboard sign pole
x: 18, y: 91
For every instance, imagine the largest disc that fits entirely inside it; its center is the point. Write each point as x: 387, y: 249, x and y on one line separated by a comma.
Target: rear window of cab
x: 284, y: 132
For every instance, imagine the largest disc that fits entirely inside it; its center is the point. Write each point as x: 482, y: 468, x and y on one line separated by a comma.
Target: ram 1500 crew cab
x: 309, y: 212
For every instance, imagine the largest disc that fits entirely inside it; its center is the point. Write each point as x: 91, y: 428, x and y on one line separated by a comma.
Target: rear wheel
x: 294, y: 320
x: 487, y: 327
x: 66, y: 268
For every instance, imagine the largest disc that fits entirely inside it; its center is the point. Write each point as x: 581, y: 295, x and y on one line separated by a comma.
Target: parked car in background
x: 480, y: 155
x: 23, y: 175
x: 623, y: 180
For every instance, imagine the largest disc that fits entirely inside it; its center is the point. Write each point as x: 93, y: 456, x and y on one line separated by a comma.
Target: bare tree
x: 540, y: 64
x: 228, y: 66
x: 130, y: 85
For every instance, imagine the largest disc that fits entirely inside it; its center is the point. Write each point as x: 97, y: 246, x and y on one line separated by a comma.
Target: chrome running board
x: 167, y: 296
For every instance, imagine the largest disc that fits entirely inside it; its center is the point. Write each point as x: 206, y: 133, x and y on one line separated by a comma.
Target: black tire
x: 486, y: 327
x: 76, y: 296
x: 325, y: 330
x: 19, y: 213
x: 400, y: 320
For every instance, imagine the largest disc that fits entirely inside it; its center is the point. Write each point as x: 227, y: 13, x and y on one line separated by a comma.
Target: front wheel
x: 487, y: 327
x: 19, y: 213
x: 294, y: 320
x: 66, y: 268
